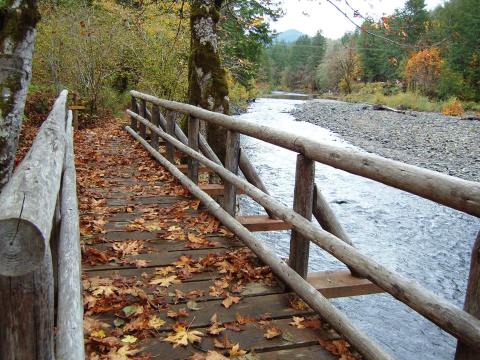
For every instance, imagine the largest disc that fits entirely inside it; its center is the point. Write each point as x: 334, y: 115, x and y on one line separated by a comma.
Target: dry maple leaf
x: 297, y: 322
x: 166, y: 281
x: 312, y: 323
x: 222, y: 343
x: 236, y: 351
x: 272, y: 332
x: 123, y: 353
x: 182, y: 336
x: 104, y: 290
x: 216, y: 326
x: 338, y: 348
x: 230, y: 300
x: 164, y: 271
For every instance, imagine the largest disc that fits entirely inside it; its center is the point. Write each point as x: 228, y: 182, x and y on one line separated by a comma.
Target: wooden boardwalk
x: 163, y: 279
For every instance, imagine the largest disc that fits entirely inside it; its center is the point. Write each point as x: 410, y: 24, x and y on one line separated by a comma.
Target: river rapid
x: 413, y: 236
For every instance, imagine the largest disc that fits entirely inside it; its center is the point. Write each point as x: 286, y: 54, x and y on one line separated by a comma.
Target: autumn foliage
x: 453, y: 108
x: 423, y: 71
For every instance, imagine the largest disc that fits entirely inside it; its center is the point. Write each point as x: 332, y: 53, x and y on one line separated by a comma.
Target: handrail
x: 447, y: 316
x: 38, y: 212
x: 307, y: 292
x: 444, y: 189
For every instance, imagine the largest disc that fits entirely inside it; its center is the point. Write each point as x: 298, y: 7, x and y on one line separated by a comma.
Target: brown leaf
x: 272, y: 332
x: 230, y: 300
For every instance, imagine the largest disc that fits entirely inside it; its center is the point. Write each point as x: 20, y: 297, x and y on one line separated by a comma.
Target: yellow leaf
x: 155, y: 322
x: 129, y: 339
x: 182, y: 336
x: 98, y: 334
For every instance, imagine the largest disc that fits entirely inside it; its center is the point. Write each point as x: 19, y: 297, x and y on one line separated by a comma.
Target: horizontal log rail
x: 39, y: 232
x: 447, y: 316
x: 306, y: 291
x: 450, y: 191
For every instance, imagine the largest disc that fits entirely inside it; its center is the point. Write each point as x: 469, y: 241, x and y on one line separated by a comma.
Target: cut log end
x: 22, y: 247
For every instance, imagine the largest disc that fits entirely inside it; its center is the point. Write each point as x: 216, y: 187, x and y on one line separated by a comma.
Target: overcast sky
x: 309, y: 16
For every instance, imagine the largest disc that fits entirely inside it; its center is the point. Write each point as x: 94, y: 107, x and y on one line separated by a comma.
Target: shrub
x: 453, y: 107
x: 422, y: 71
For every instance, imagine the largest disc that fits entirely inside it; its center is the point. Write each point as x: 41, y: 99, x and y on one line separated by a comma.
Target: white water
x: 415, y: 237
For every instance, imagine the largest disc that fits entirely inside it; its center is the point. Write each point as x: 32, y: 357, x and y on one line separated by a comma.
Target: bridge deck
x: 157, y: 268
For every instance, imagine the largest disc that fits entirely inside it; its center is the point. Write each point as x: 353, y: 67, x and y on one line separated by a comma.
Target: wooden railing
x: 40, y: 249
x: 308, y: 200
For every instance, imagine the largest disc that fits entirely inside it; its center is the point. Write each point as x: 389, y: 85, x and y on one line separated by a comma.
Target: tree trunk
x: 208, y: 86
x: 17, y: 34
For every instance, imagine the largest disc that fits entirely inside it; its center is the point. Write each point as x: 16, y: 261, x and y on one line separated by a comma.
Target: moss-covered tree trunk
x: 207, y: 79
x: 17, y: 33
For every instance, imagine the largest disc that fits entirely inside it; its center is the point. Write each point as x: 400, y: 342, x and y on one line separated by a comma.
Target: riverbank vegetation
x: 413, y: 58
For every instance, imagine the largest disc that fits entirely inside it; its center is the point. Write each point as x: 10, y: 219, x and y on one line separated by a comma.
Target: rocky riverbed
x: 434, y: 141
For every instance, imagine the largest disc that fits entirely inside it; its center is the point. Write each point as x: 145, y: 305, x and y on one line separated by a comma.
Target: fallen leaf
x: 272, y: 332
x: 236, y: 351
x: 192, y: 305
x: 230, y: 300
x: 165, y: 281
x: 129, y: 339
x: 297, y: 322
x: 182, y: 336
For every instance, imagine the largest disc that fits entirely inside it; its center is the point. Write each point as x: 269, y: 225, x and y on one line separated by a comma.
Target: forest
x: 412, y: 58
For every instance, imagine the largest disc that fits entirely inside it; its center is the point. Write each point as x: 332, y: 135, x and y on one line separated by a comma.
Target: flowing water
x: 413, y: 236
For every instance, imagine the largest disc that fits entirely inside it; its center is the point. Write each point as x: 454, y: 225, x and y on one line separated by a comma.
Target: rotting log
x: 171, y: 124
x: 307, y: 292
x: 456, y: 193
x: 302, y: 205
x: 27, y: 202
x: 444, y: 314
x: 472, y: 301
x: 69, y: 339
x: 231, y: 163
x: 193, y: 134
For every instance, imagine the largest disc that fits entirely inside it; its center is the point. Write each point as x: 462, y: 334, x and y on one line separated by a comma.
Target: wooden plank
x: 472, y: 301
x: 193, y: 133
x: 133, y: 121
x: 341, y: 283
x: 231, y: 164
x: 263, y: 223
x: 302, y: 205
x: 77, y: 107
x: 201, y: 169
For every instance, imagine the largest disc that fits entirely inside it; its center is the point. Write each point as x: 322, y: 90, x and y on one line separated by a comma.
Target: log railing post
x: 193, y: 142
x: 75, y: 112
x: 302, y: 205
x: 155, y: 121
x: 170, y: 131
x: 143, y: 113
x: 232, y: 157
x: 472, y: 301
x: 133, y: 121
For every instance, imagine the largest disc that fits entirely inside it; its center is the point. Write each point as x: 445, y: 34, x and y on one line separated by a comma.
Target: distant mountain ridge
x: 288, y: 36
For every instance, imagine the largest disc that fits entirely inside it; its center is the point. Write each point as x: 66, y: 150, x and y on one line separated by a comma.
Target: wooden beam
x: 171, y: 123
x: 446, y: 315
x: 193, y: 133
x: 341, y: 283
x: 472, y: 302
x: 256, y: 223
x: 201, y: 169
x: 133, y: 121
x: 231, y: 164
x: 155, y: 115
x: 308, y: 293
x: 456, y: 193
x: 302, y: 205
x: 27, y: 202
x: 143, y: 113
x: 69, y: 339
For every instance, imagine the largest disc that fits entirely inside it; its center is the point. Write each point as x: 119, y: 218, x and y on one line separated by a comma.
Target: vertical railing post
x: 75, y: 112
x: 143, y: 113
x: 193, y: 136
x: 155, y: 121
x: 302, y: 204
x: 232, y: 157
x: 133, y: 121
x: 170, y: 131
x: 472, y: 301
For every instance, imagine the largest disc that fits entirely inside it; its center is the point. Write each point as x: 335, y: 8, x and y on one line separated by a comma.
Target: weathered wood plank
x: 171, y: 124
x: 155, y: 121
x: 302, y: 205
x: 193, y: 134
x: 133, y: 121
x: 340, y: 283
x: 143, y: 113
x: 256, y: 223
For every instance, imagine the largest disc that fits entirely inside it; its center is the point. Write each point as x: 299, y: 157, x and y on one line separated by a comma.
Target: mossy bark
x: 208, y: 87
x: 17, y: 33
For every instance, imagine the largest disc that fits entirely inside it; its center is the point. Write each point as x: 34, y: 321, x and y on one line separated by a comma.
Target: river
x: 413, y: 236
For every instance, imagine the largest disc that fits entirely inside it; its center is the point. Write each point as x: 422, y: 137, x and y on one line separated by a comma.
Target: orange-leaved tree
x: 423, y: 70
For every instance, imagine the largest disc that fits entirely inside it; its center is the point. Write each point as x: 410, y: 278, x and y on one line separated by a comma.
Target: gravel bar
x: 430, y: 140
